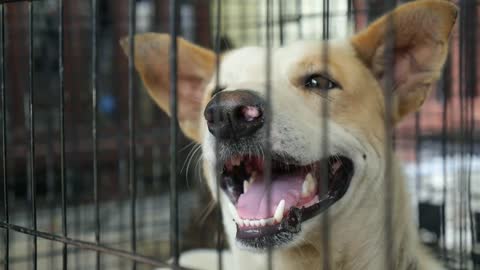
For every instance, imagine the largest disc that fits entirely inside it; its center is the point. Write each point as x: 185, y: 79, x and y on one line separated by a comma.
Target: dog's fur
x: 358, y: 238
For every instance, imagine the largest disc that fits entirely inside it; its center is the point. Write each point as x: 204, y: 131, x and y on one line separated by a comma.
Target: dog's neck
x: 352, y: 246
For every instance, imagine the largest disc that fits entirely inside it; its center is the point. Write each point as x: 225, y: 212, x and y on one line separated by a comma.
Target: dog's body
x: 369, y: 218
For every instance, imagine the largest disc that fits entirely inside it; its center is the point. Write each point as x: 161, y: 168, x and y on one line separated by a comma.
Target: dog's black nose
x: 234, y: 114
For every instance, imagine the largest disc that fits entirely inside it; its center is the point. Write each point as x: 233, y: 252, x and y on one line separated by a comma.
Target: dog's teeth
x: 278, y: 216
x: 270, y: 221
x: 257, y: 223
x: 246, y: 185
x: 246, y: 222
x: 240, y: 222
x: 263, y: 222
x: 309, y: 185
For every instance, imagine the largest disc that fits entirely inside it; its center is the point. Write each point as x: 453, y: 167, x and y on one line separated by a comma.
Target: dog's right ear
x: 195, y: 68
x: 420, y: 32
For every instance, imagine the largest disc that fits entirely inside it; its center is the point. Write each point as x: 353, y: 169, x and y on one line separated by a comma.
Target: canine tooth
x: 257, y: 223
x: 279, y: 211
x: 246, y: 185
x: 246, y: 222
x: 309, y: 185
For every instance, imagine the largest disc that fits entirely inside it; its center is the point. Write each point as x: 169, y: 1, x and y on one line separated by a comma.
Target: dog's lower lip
x: 291, y: 223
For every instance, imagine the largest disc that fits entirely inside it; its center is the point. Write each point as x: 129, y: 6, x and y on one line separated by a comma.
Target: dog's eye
x: 319, y: 82
x: 218, y: 89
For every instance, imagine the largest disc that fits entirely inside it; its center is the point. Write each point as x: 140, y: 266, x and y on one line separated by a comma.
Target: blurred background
x: 440, y: 145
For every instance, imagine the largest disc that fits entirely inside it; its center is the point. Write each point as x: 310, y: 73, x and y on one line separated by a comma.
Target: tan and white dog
x: 232, y: 117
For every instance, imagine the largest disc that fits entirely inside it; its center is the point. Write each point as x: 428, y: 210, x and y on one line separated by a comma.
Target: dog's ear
x: 195, y: 68
x: 420, y: 31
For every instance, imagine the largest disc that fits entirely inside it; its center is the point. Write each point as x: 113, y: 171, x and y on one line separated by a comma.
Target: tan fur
x: 195, y: 67
x: 357, y: 234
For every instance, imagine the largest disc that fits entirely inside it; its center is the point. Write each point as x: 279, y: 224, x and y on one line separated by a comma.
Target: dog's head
x: 316, y: 100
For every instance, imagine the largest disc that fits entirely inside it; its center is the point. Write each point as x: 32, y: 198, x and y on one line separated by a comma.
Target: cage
x: 94, y: 175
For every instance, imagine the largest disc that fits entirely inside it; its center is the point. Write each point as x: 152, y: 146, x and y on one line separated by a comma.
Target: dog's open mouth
x: 297, y: 193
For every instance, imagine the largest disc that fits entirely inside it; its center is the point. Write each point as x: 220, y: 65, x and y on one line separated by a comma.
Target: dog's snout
x: 234, y: 114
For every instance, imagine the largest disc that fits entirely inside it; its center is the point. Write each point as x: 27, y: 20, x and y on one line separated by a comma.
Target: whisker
x: 194, y: 152
x: 187, y: 146
x: 198, y: 169
x: 206, y: 212
x: 189, y: 156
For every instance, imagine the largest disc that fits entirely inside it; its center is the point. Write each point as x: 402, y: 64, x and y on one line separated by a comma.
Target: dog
x: 328, y: 206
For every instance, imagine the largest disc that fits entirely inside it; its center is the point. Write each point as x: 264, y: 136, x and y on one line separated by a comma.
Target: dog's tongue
x: 253, y: 204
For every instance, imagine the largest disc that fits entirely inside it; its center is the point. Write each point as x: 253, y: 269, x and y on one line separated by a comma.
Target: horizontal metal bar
x: 91, y: 246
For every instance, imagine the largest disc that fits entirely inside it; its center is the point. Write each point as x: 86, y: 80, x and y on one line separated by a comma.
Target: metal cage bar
x: 131, y: 128
x: 324, y: 116
x: 388, y: 86
x: 4, y: 138
x: 61, y: 113
x: 173, y: 55
x: 94, y: 83
x: 267, y: 166
x: 218, y: 47
x: 31, y: 121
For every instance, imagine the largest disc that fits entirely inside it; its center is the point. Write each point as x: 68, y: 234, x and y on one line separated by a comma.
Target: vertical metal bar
x: 446, y: 89
x: 4, y: 139
x: 268, y: 116
x: 244, y: 22
x: 418, y: 153
x: 461, y: 133
x: 61, y: 58
x: 325, y: 134
x: 389, y: 61
x: 131, y: 129
x: 174, y: 230
x: 470, y: 122
x: 93, y: 77
x: 281, y: 22
x: 218, y: 47
x: 258, y: 23
x: 50, y: 185
x: 31, y: 116
x: 298, y: 7
x: 350, y: 11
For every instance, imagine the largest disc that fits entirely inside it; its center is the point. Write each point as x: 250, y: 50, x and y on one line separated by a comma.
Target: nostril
x: 209, y: 115
x: 250, y: 113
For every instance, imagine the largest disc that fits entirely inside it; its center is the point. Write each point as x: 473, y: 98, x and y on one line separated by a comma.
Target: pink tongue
x: 253, y: 204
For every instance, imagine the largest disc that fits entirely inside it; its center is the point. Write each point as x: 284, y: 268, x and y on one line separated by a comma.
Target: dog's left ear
x: 421, y: 31
x: 196, y: 66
